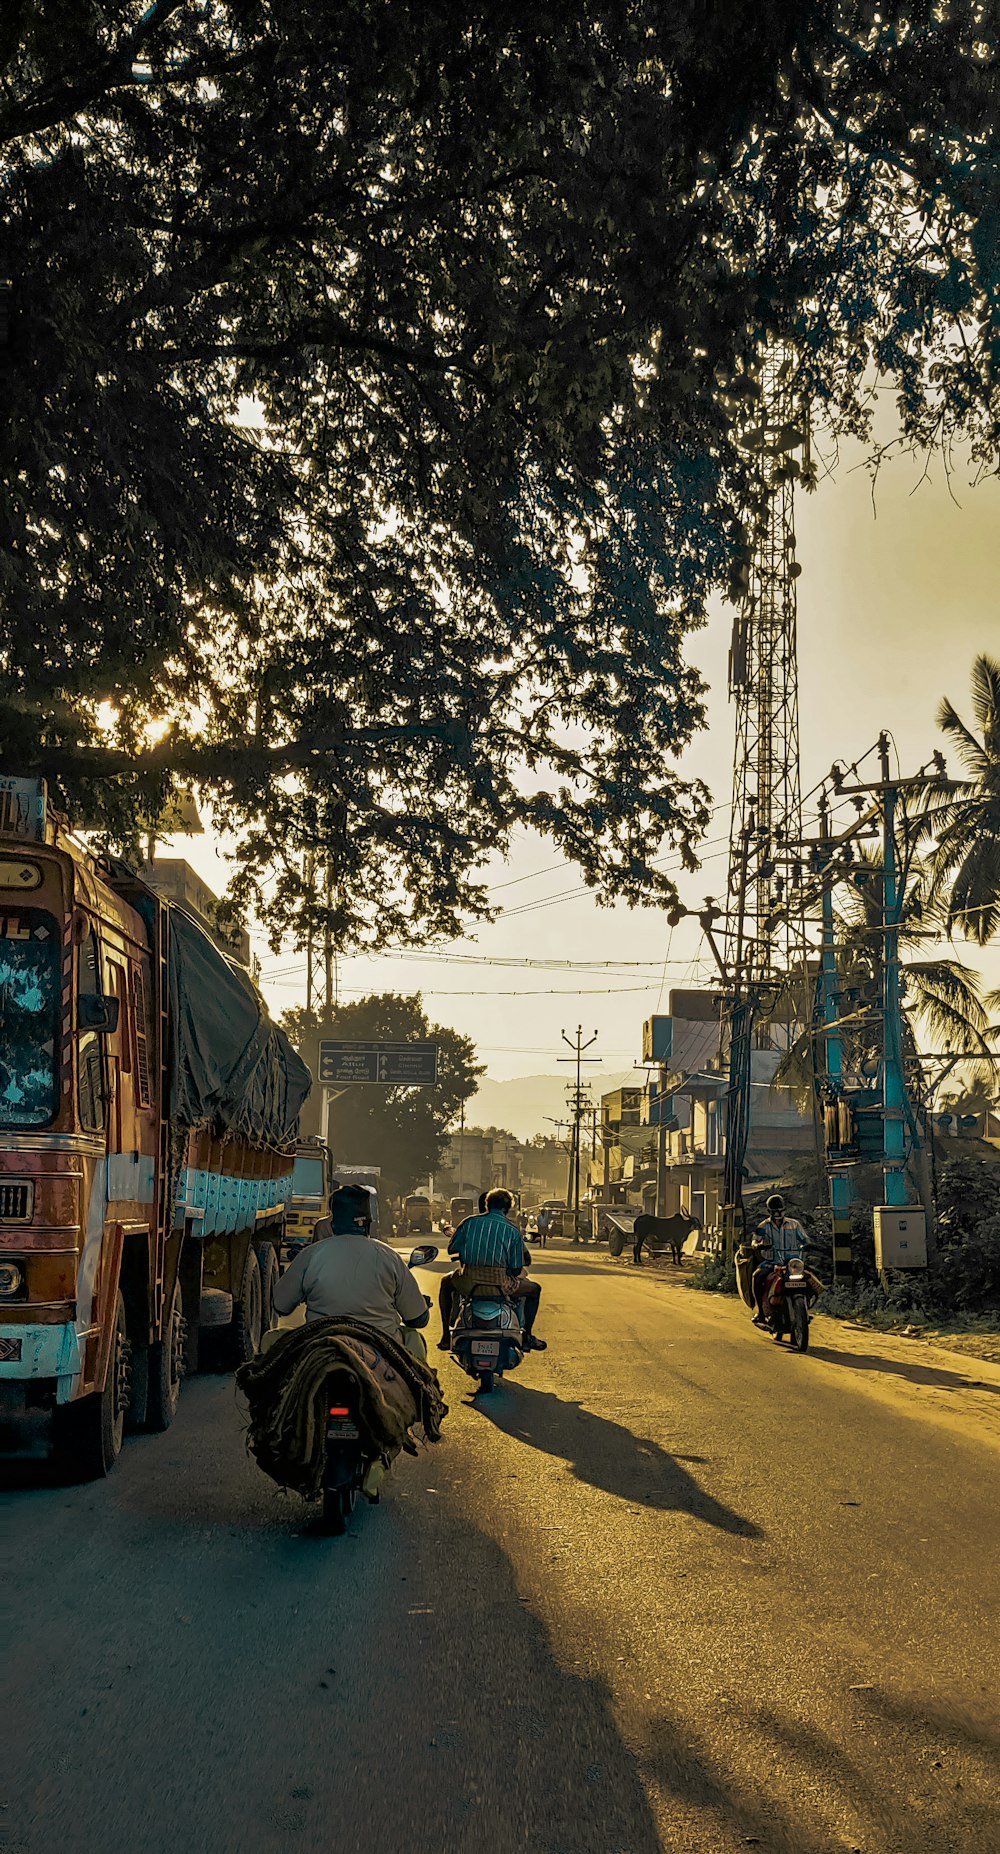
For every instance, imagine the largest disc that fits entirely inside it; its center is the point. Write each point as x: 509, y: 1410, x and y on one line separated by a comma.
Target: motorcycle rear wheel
x: 798, y: 1320
x: 487, y: 1380
x: 338, y: 1505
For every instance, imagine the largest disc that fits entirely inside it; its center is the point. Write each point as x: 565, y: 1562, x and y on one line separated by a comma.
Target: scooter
x: 486, y: 1338
x: 347, y: 1463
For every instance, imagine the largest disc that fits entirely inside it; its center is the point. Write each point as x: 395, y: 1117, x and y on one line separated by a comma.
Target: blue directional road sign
x: 377, y: 1065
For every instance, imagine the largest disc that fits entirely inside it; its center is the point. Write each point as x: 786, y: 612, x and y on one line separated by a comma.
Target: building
x: 483, y: 1157
x: 685, y: 1107
x: 624, y: 1143
x: 176, y: 881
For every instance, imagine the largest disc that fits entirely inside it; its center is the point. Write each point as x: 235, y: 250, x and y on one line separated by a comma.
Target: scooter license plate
x: 485, y: 1349
x: 342, y: 1432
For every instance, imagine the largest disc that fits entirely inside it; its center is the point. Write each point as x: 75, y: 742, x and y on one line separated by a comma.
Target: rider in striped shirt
x: 492, y: 1254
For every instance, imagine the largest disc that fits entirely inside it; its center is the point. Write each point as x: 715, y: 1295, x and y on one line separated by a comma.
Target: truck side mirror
x: 95, y: 1012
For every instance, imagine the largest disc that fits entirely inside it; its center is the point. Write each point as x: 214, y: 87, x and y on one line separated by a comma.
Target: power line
x: 434, y: 991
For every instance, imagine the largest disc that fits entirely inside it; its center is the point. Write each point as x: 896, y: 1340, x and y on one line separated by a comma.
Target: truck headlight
x: 11, y: 1280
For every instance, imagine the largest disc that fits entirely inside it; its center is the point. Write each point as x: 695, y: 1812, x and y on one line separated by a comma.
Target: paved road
x: 668, y: 1590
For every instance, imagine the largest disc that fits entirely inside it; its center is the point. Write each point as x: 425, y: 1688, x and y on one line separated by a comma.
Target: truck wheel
x: 267, y: 1262
x: 165, y: 1367
x: 138, y: 1391
x: 247, y: 1313
x: 87, y: 1435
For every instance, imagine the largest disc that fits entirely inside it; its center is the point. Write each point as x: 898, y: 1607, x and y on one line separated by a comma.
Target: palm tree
x: 963, y: 815
x: 977, y: 1097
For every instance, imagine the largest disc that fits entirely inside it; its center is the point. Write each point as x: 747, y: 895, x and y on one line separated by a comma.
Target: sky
x: 900, y: 590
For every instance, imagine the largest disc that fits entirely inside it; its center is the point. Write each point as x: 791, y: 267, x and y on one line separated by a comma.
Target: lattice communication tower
x: 322, y: 965
x: 765, y: 935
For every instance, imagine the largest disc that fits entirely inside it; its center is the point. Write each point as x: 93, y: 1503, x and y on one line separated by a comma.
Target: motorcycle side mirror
x: 422, y: 1256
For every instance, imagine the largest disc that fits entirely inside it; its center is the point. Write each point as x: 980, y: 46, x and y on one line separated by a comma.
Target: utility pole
x: 578, y: 1046
x: 661, y: 1142
x: 893, y: 1083
x: 840, y: 1184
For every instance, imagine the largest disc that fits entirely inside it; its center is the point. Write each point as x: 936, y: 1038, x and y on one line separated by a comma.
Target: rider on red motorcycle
x: 779, y: 1239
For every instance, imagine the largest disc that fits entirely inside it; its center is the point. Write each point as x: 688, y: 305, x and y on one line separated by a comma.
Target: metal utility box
x: 900, y: 1236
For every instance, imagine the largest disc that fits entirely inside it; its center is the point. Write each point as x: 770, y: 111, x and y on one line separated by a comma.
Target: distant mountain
x: 528, y: 1104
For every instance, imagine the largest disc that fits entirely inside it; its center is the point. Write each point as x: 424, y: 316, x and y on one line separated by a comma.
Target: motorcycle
x: 347, y: 1466
x: 486, y: 1339
x: 789, y: 1296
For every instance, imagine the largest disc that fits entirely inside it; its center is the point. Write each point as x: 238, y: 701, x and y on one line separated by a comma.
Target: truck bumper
x: 28, y: 1352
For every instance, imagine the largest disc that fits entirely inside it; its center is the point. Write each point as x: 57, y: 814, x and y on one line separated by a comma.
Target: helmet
x: 350, y: 1210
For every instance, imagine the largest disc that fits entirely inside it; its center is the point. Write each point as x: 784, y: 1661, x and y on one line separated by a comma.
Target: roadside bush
x: 963, y: 1279
x: 714, y: 1277
x: 968, y: 1236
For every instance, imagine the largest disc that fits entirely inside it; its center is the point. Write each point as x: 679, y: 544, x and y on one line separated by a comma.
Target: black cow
x: 663, y: 1233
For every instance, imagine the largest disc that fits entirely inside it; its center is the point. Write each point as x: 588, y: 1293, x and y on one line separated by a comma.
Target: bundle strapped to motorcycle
x: 288, y: 1389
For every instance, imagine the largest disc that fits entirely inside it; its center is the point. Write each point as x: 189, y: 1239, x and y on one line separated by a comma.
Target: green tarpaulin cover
x: 231, y: 1068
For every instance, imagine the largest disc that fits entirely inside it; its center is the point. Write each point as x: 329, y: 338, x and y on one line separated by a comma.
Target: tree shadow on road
x: 914, y: 1373
x: 392, y: 1689
x: 895, y: 1798
x: 608, y: 1456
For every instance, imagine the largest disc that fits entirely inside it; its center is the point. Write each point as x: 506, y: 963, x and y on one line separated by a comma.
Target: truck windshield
x: 29, y: 1019
x: 307, y: 1178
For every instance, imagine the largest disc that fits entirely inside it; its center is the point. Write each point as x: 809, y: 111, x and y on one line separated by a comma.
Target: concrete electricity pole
x: 578, y: 1046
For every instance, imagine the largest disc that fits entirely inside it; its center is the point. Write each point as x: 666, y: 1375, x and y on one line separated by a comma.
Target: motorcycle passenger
x: 492, y: 1254
x: 345, y: 1273
x: 779, y: 1239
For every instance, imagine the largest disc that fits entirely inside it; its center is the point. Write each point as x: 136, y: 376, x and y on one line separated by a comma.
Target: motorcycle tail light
x: 338, y: 1409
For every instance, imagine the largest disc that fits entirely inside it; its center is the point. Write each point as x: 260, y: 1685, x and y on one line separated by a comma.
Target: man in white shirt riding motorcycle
x: 345, y: 1273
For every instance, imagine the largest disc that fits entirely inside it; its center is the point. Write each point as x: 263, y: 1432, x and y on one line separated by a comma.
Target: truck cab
x: 312, y: 1183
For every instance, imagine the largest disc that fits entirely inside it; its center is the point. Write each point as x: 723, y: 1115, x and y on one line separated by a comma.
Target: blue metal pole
x: 893, y: 1085
x: 840, y: 1185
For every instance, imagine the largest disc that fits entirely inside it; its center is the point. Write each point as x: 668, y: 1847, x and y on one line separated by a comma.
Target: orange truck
x: 148, y: 1118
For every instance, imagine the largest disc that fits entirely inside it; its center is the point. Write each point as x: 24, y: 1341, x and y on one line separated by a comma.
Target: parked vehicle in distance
x: 459, y: 1209
x: 417, y: 1215
x: 368, y: 1177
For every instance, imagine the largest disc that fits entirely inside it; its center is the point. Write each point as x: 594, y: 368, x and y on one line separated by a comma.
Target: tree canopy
x: 402, y: 1130
x: 380, y: 393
